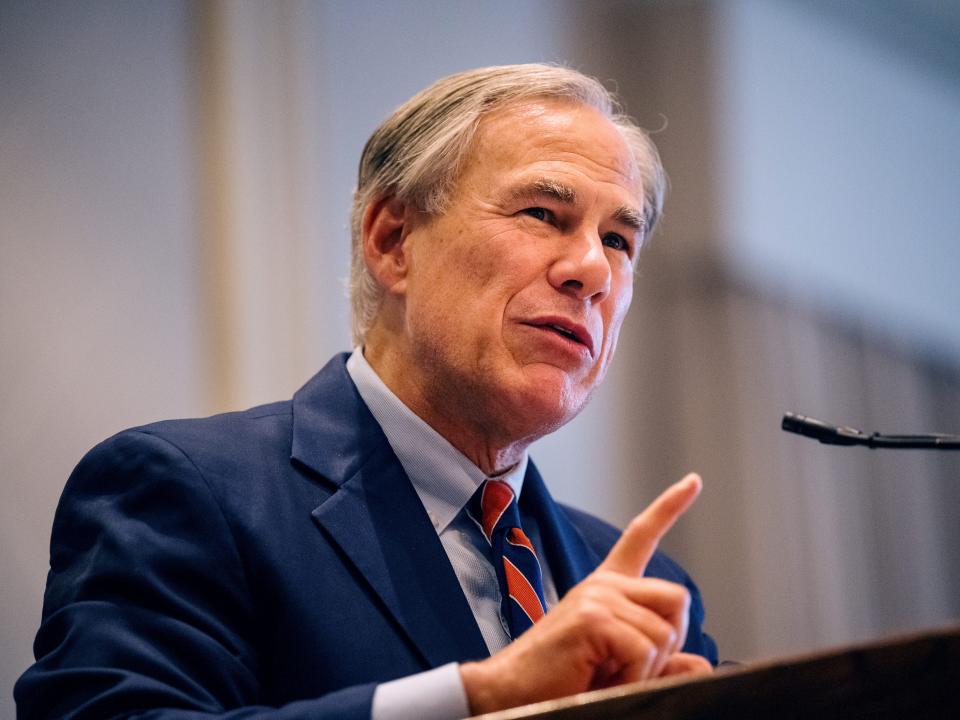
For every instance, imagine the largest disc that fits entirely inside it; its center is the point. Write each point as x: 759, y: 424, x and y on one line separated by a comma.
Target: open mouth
x: 566, y: 330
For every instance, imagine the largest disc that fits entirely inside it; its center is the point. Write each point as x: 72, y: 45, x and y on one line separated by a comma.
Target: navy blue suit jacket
x: 270, y: 563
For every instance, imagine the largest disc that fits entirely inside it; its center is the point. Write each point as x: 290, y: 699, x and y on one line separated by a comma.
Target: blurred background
x: 175, y: 179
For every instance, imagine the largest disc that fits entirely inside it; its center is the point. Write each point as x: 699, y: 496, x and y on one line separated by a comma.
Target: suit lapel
x: 378, y: 521
x: 568, y: 556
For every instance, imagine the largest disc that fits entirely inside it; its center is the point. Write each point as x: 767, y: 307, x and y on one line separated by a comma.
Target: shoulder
x: 228, y: 434
x: 204, y: 481
x: 228, y: 447
x: 198, y: 453
x: 223, y: 467
x: 199, y: 445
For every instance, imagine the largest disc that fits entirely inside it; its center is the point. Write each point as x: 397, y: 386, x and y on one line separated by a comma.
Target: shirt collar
x: 444, y: 478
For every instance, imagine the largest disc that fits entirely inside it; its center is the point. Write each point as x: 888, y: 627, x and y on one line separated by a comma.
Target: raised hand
x: 614, y: 627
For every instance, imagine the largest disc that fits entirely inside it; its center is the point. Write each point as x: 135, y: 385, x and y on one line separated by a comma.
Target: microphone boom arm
x: 833, y: 435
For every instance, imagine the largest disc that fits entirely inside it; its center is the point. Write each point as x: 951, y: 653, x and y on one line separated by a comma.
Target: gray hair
x: 416, y: 154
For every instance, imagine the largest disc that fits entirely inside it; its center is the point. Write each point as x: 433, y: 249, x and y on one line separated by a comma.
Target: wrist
x: 483, y: 689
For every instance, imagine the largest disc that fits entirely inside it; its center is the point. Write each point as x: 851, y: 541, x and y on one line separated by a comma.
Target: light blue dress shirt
x: 445, y: 480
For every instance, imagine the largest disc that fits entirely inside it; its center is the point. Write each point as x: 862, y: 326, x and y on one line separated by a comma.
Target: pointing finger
x: 635, y: 547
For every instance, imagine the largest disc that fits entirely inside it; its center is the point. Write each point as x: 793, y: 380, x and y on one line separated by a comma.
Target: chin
x: 548, y: 400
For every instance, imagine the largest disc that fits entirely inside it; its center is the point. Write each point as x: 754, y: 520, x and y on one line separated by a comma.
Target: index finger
x: 635, y: 547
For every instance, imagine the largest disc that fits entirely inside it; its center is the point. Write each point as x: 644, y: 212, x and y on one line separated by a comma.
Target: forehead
x: 549, y: 135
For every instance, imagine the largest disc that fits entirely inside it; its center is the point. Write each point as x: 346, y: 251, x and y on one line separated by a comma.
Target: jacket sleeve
x: 148, y: 611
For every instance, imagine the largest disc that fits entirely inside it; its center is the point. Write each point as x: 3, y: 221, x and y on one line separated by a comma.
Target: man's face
x: 515, y: 295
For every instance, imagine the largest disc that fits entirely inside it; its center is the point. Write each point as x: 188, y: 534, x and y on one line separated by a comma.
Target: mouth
x: 566, y: 329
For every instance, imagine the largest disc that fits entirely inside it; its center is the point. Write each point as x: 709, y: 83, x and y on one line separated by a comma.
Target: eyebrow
x: 631, y: 218
x: 543, y: 187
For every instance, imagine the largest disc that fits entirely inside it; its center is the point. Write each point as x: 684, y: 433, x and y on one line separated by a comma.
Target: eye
x: 617, y: 242
x: 539, y: 213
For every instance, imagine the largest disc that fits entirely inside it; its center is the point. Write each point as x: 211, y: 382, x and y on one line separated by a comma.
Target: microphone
x: 833, y: 435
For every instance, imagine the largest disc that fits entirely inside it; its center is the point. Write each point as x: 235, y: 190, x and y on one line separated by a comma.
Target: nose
x: 582, y: 270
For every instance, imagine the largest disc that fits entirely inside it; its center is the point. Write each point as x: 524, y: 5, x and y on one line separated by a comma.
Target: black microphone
x: 833, y: 435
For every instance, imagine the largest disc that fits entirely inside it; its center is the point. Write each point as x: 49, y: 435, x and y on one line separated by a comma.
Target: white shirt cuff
x: 436, y: 694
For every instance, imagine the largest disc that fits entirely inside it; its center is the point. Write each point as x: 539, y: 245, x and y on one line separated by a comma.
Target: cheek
x: 490, y: 273
x: 460, y: 301
x: 622, y: 305
x: 621, y: 292
x: 619, y: 306
x: 493, y: 258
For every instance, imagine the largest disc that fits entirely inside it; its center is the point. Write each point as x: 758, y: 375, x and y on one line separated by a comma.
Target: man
x: 358, y: 550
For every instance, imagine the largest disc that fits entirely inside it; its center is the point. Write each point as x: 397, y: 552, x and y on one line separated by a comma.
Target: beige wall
x: 795, y: 545
x: 100, y: 325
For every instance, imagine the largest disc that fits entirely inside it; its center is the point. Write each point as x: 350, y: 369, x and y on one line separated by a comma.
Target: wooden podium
x: 909, y: 677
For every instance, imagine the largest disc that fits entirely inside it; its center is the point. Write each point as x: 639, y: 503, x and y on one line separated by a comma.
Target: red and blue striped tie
x: 495, y: 511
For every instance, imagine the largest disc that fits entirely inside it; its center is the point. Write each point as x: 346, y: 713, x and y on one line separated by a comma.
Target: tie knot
x: 494, y: 508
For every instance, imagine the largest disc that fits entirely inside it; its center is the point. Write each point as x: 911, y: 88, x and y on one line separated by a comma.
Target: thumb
x: 635, y: 547
x: 686, y: 664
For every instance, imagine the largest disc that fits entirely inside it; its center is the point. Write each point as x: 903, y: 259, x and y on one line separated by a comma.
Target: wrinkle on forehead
x: 513, y: 134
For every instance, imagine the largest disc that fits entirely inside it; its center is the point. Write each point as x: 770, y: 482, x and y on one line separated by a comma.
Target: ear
x: 384, y: 227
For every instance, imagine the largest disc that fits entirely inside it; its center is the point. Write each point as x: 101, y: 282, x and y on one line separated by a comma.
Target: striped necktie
x: 495, y: 512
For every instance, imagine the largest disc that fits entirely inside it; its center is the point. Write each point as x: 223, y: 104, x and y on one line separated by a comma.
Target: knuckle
x: 591, y: 613
x: 637, y: 527
x: 590, y: 593
x: 602, y: 577
x: 596, y: 593
x: 661, y: 633
x: 680, y: 596
x: 648, y: 651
